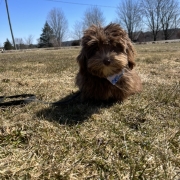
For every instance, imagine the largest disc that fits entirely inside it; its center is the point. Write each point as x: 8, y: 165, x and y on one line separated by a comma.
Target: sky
x: 29, y: 16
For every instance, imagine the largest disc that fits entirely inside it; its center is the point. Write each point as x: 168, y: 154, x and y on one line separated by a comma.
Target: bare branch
x: 93, y: 15
x: 19, y: 43
x: 152, y: 9
x: 77, y: 30
x: 170, y: 17
x: 29, y: 40
x: 58, y: 22
x: 129, y: 16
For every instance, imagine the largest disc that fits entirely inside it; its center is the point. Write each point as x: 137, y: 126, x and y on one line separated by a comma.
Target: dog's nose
x: 107, y: 61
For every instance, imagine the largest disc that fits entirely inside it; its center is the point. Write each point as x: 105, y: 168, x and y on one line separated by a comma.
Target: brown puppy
x: 105, y: 63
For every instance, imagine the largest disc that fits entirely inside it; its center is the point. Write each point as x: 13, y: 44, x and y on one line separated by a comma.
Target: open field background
x: 138, y: 139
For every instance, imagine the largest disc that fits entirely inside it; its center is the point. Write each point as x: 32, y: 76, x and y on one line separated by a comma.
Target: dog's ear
x: 131, y: 55
x: 81, y: 59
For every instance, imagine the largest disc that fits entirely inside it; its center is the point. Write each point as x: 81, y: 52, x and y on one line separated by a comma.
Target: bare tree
x: 58, y: 22
x: 38, y: 40
x: 29, y: 40
x: 170, y: 17
x: 129, y: 16
x: 152, y: 13
x: 77, y: 30
x: 93, y: 15
x: 19, y: 43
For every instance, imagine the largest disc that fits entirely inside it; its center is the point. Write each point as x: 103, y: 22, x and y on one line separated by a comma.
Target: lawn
x: 136, y: 139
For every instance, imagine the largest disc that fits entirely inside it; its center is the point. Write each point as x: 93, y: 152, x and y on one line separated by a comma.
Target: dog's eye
x: 117, y: 49
x: 91, y: 51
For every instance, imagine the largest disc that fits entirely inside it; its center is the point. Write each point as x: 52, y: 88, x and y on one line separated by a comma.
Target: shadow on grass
x: 73, y: 112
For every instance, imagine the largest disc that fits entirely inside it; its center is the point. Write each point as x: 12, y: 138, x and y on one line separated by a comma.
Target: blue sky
x: 28, y: 16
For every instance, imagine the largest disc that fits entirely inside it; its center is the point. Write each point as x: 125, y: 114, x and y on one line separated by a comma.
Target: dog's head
x: 105, y: 51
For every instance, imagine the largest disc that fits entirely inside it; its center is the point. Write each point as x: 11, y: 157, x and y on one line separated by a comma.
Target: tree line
x: 154, y: 15
x: 133, y: 15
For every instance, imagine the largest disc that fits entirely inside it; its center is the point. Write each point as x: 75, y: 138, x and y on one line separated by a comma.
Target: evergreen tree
x: 47, y: 36
x: 8, y: 45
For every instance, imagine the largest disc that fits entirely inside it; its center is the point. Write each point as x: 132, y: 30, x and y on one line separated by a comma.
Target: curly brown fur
x: 105, y: 52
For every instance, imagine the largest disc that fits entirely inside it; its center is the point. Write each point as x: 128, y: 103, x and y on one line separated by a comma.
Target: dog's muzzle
x: 107, y: 61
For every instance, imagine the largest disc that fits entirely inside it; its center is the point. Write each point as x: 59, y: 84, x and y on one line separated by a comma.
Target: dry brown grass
x: 138, y: 139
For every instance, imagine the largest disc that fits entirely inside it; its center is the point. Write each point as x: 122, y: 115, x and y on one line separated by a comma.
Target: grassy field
x: 138, y: 139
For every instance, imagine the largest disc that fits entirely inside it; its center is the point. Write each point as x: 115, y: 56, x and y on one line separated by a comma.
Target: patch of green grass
x: 136, y: 139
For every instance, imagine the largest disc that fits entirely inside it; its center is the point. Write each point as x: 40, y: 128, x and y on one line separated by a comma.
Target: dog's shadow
x: 73, y: 112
